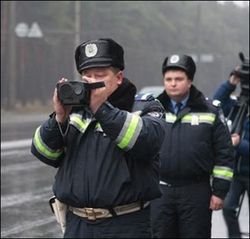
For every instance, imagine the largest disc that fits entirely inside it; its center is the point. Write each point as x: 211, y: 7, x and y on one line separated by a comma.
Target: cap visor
x: 95, y: 62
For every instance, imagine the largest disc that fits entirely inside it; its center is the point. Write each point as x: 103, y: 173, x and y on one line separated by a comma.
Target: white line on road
x: 22, y: 166
x: 15, y: 144
x: 27, y: 226
x: 20, y: 198
x: 17, y: 152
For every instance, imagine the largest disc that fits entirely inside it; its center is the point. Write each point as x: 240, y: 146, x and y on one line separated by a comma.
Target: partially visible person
x: 106, y: 153
x: 197, y: 148
x: 240, y: 140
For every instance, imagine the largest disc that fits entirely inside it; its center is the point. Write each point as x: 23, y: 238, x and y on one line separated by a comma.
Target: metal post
x: 12, y: 57
x: 198, y: 36
x: 77, y: 32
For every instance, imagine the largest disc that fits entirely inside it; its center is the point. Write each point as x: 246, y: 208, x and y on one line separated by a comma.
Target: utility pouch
x: 60, y: 210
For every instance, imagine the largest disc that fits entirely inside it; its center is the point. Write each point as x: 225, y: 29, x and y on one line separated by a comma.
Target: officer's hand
x: 97, y: 96
x: 62, y: 111
x: 235, y: 139
x: 216, y: 203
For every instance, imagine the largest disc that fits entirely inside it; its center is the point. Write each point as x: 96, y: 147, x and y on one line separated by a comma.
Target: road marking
x: 16, y: 144
x: 27, y: 226
x: 20, y: 198
x: 22, y: 166
x: 18, y: 153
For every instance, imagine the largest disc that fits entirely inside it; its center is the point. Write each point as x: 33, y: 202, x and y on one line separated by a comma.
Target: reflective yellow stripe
x: 171, y: 118
x: 98, y: 127
x: 192, y: 118
x: 43, y: 149
x: 130, y: 131
x: 200, y: 117
x: 223, y: 172
x: 81, y: 125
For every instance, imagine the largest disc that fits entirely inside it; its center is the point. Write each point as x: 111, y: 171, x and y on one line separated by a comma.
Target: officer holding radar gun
x: 104, y: 139
x: 237, y: 115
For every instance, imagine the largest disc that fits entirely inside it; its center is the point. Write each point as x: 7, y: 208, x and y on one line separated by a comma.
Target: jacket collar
x: 124, y: 96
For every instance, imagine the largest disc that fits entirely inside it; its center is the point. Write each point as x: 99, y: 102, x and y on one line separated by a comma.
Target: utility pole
x: 12, y: 57
x: 77, y: 32
x: 198, y: 35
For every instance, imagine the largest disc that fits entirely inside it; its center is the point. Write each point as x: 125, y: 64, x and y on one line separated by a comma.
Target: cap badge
x: 91, y: 50
x: 174, y: 59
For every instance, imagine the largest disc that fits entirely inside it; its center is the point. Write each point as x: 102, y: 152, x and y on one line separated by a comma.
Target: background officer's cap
x: 183, y: 62
x: 99, y: 53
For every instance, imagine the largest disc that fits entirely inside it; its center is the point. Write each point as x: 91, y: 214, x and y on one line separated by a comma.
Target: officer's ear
x: 120, y: 77
x: 189, y: 83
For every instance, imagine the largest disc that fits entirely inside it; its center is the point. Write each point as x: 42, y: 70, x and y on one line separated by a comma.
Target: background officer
x: 237, y: 112
x: 197, y: 145
x: 107, y: 156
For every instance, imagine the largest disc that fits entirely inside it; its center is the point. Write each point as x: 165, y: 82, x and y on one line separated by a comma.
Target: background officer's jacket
x: 197, y: 144
x: 106, y: 160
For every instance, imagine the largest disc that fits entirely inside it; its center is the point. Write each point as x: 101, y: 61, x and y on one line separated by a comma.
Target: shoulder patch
x: 217, y: 106
x: 155, y: 114
x: 216, y: 103
x: 144, y: 97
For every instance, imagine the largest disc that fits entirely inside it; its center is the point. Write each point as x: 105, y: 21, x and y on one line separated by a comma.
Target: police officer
x: 106, y: 154
x: 197, y: 145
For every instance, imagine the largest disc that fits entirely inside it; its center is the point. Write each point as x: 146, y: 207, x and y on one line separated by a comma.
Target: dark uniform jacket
x: 106, y: 159
x: 241, y: 166
x: 197, y: 144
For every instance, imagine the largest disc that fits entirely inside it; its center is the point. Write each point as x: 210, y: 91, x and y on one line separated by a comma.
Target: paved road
x: 219, y: 229
x: 26, y: 186
x: 25, y: 182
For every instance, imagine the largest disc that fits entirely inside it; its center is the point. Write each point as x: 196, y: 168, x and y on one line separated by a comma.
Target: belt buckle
x: 90, y: 213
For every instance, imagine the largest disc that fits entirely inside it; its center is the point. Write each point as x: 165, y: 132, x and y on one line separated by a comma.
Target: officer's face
x: 111, y: 77
x: 177, y: 84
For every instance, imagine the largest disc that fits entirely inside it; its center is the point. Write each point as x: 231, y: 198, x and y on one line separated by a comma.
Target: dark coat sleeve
x: 223, y: 158
x: 47, y: 143
x: 140, y: 133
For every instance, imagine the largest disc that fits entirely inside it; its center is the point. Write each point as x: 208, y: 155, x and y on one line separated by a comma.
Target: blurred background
x: 38, y: 40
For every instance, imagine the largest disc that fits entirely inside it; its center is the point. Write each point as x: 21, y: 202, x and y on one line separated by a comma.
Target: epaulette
x: 215, y: 103
x: 144, y: 97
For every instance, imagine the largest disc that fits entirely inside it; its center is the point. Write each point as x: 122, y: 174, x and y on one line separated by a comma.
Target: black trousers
x: 182, y: 212
x: 132, y: 225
